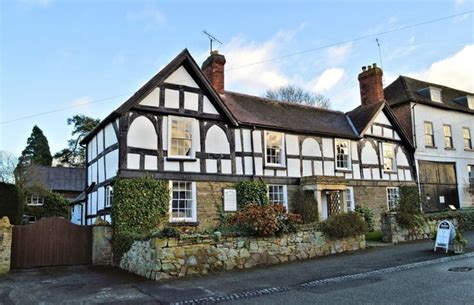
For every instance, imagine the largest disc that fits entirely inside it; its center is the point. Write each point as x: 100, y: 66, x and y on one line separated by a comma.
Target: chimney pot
x: 364, y: 68
x: 370, y: 83
x: 374, y: 65
x: 213, y: 69
x: 369, y: 67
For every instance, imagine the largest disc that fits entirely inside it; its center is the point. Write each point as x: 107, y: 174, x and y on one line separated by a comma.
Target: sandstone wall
x: 160, y: 258
x: 394, y: 233
x: 101, y: 245
x: 5, y: 244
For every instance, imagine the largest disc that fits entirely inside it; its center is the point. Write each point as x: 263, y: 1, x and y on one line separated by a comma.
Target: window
x: 181, y: 138
x: 470, y: 170
x: 388, y: 157
x: 392, y: 197
x: 274, y: 148
x: 350, y: 199
x: 429, y: 136
x: 35, y: 199
x: 109, y: 193
x: 342, y: 154
x: 277, y: 194
x: 466, y: 135
x: 448, y: 138
x: 435, y: 94
x: 183, y: 201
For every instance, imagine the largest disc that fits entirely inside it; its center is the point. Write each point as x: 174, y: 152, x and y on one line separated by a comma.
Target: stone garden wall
x: 163, y: 258
x: 5, y: 244
x: 101, y: 245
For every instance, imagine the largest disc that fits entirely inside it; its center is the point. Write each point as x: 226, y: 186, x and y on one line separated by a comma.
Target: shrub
x: 464, y: 216
x: 408, y: 209
x: 304, y: 204
x: 140, y: 205
x: 11, y: 202
x: 344, y: 225
x: 374, y: 236
x: 167, y: 232
x: 54, y: 204
x: 368, y: 216
x: 267, y: 220
x: 251, y: 192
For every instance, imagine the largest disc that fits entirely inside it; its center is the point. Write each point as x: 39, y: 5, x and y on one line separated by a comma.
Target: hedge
x: 251, y: 192
x: 343, y: 225
x: 140, y: 205
x: 54, y: 204
x: 11, y: 202
x: 465, y: 217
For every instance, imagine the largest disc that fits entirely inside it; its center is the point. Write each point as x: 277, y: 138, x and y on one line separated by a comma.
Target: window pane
x: 181, y: 137
x: 274, y: 147
x: 342, y: 153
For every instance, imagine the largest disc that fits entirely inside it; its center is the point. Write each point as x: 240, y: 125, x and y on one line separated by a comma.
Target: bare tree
x: 298, y: 95
x: 8, y: 164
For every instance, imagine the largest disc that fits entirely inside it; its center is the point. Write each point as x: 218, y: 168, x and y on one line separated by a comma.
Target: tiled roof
x: 57, y: 178
x: 362, y: 115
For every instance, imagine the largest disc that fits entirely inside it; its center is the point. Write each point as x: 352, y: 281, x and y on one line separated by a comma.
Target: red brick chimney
x: 213, y: 69
x: 371, y: 87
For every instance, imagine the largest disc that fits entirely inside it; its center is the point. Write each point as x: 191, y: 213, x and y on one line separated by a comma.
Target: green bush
x: 368, y: 216
x: 11, y: 203
x: 304, y: 204
x: 251, y: 192
x: 54, y: 204
x: 140, y: 205
x: 464, y: 216
x: 374, y: 236
x: 408, y: 209
x: 167, y: 232
x: 344, y: 225
x: 121, y: 243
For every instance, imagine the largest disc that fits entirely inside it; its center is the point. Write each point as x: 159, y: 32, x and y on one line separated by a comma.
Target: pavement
x: 396, y: 274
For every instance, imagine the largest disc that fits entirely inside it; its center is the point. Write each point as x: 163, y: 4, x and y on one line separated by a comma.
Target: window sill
x: 433, y: 147
x: 343, y: 170
x: 449, y: 148
x: 274, y: 166
x: 468, y: 149
x: 184, y: 159
x: 390, y: 171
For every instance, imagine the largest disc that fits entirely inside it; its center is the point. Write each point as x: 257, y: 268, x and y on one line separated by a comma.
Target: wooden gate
x: 51, y: 242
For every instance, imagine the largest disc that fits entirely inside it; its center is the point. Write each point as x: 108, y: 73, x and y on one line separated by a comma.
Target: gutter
x: 417, y: 170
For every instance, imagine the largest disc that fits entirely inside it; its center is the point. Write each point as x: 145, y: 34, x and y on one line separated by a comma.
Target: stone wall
x: 209, y: 197
x: 394, y: 233
x: 101, y: 245
x: 5, y: 244
x: 163, y: 258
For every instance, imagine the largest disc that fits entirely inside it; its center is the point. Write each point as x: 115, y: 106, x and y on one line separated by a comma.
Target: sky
x: 90, y: 56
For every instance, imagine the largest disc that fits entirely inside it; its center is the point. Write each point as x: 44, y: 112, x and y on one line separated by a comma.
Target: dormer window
x: 435, y: 94
x: 470, y: 102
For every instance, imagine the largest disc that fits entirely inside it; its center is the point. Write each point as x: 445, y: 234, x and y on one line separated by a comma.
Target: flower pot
x: 458, y: 248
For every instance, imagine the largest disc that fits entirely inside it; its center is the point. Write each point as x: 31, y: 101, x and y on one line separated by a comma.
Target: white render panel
x: 393, y: 177
x: 387, y: 132
x: 396, y: 136
x: 385, y: 176
x: 292, y: 147
x: 408, y: 175
x: 211, y: 166
x: 151, y: 162
x: 238, y: 166
x: 89, y: 174
x: 100, y: 198
x: 89, y: 151
x: 354, y: 154
x: 94, y: 147
x: 328, y: 148
x: 238, y: 143
x: 257, y: 141
x: 191, y: 101
x: 401, y: 174
x: 152, y: 99
x: 356, y: 171
x: 100, y: 168
x: 192, y: 167
x: 164, y: 132
x: 207, y: 106
x: 318, y: 167
x: 311, y: 147
x: 111, y: 164
x: 216, y: 141
x: 94, y: 172
x: 258, y: 166
x: 382, y: 119
x: 226, y: 166
x: 110, y: 136
x: 181, y: 77
x: 247, y: 140
x: 171, y: 165
x: 367, y: 173
x: 377, y: 130
x: 293, y: 167
x: 142, y: 134
x: 171, y: 98
x: 328, y: 168
x: 100, y: 141
x: 369, y: 155
x: 375, y: 173
x: 281, y: 173
x: 248, y: 165
x: 133, y: 161
x: 307, y: 168
x: 401, y: 158
x: 93, y: 204
x: 268, y: 172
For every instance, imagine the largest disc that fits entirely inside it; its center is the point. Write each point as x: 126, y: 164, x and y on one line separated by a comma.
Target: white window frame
x: 109, y: 196
x: 285, y: 194
x: 470, y: 174
x: 282, y: 149
x: 349, y: 159
x: 432, y: 135
x: 193, y: 217
x: 193, y: 140
x: 392, y: 206
x: 350, y: 202
x: 35, y: 200
x: 469, y: 138
x: 446, y: 137
x: 436, y: 92
x: 394, y: 160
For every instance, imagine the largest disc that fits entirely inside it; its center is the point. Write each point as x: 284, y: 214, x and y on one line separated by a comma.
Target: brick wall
x: 403, y: 114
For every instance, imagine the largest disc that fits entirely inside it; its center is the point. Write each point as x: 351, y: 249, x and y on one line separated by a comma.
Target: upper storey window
x: 435, y: 94
x: 466, y: 135
x: 181, y: 138
x: 388, y: 157
x: 429, y: 135
x: 343, y: 160
x: 274, y: 151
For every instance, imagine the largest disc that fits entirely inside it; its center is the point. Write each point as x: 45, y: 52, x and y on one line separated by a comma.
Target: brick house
x: 440, y: 122
x: 184, y: 127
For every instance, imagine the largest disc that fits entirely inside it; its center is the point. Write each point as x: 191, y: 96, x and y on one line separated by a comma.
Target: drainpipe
x: 253, y: 152
x: 417, y: 170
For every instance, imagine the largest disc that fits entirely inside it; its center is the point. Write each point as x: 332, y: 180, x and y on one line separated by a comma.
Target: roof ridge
x: 285, y: 102
x: 434, y: 84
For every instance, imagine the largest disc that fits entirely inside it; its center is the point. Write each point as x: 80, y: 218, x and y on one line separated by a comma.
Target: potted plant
x: 459, y: 243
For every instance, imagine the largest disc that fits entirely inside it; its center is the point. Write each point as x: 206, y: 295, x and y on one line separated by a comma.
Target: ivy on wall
x: 140, y: 205
x: 251, y: 192
x: 54, y: 205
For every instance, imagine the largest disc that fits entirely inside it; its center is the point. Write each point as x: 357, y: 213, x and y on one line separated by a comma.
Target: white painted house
x: 440, y: 121
x: 182, y: 126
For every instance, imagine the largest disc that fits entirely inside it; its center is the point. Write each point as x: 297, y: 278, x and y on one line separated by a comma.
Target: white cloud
x: 151, y: 16
x: 455, y: 71
x: 327, y: 80
x: 338, y: 54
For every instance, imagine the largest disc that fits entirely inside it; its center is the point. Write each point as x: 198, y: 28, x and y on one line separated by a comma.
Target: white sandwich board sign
x: 444, y: 235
